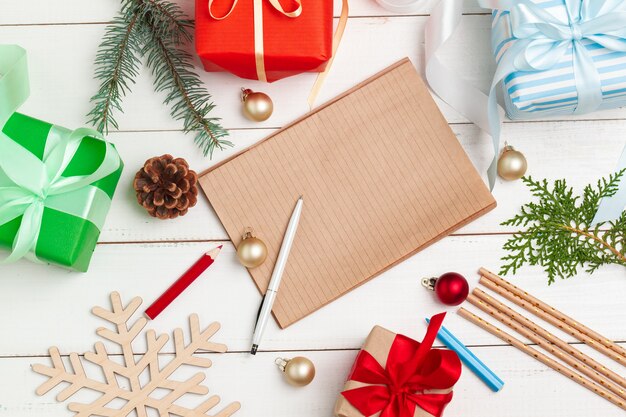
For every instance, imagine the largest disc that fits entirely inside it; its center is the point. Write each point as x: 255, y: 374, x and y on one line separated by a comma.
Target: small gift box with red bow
x: 264, y: 39
x: 395, y: 376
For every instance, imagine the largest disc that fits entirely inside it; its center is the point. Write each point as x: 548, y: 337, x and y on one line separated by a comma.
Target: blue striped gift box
x: 553, y: 92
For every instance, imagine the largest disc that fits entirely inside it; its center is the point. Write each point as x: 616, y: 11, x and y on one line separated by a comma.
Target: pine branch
x: 188, y: 98
x: 158, y: 30
x: 558, y: 233
x: 168, y: 18
x: 117, y: 66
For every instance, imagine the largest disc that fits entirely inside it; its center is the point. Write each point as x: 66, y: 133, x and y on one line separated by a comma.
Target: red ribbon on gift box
x: 412, y: 369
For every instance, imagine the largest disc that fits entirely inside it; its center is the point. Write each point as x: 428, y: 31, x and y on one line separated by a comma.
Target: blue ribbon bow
x: 544, y: 40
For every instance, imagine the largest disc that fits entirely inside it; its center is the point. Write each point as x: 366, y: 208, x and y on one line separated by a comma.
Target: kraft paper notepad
x: 382, y: 176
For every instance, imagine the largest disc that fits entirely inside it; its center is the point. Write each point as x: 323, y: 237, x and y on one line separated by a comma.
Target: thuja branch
x: 158, y: 31
x: 597, y: 240
x: 557, y: 232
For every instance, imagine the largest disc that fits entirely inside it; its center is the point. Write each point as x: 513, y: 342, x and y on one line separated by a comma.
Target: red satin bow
x: 412, y: 367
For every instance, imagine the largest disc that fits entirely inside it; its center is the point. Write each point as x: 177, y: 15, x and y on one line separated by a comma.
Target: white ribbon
x: 454, y: 90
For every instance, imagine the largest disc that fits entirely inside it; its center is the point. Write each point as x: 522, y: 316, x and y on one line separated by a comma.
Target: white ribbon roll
x: 401, y: 6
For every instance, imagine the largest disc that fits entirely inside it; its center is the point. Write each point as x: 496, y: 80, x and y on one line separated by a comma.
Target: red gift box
x: 264, y: 39
x: 395, y: 376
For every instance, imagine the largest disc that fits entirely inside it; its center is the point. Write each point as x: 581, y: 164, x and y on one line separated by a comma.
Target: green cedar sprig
x: 156, y: 30
x: 557, y: 233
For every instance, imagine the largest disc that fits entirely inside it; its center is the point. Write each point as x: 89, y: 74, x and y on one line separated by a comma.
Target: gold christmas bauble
x: 251, y: 251
x: 299, y: 371
x: 256, y: 106
x: 512, y: 164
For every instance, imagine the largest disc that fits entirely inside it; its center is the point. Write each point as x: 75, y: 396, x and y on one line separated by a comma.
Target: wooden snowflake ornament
x: 139, y: 396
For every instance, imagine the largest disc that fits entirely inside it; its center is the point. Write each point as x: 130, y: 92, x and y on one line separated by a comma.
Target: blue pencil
x: 468, y: 358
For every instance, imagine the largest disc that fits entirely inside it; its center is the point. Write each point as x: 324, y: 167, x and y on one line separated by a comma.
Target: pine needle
x: 188, y: 98
x: 167, y: 18
x: 117, y: 67
x: 558, y: 234
x: 156, y: 30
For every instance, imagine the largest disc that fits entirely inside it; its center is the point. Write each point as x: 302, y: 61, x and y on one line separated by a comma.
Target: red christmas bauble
x: 451, y: 288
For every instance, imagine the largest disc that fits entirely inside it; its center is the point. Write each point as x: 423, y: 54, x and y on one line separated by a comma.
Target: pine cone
x: 166, y: 187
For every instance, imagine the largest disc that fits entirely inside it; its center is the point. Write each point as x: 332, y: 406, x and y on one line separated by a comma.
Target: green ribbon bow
x: 28, y: 184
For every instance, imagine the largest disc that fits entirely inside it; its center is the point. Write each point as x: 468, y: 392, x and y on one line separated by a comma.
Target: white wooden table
x: 43, y: 306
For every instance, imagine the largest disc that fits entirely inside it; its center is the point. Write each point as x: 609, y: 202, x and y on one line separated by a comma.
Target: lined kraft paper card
x: 382, y: 176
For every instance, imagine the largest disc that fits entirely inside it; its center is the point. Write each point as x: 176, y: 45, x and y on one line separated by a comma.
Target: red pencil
x: 182, y: 283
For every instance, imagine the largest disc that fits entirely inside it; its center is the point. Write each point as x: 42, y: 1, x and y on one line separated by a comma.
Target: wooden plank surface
x: 549, y: 147
x: 54, y: 70
x: 44, y: 306
x: 77, y: 11
x: 530, y: 389
x: 226, y: 294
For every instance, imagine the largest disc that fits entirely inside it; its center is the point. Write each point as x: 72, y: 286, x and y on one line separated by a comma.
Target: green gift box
x: 64, y: 238
x: 56, y: 185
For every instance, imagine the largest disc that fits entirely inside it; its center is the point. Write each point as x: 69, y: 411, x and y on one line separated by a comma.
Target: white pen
x: 272, y: 290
